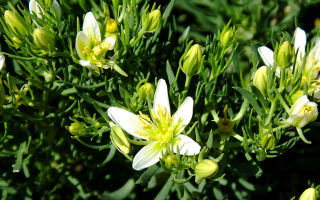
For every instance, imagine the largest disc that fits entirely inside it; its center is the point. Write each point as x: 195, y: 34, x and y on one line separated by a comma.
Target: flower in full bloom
x: 302, y: 112
x: 161, y: 131
x: 89, y: 46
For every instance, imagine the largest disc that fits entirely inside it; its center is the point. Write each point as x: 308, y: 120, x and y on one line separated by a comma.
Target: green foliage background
x: 53, y: 165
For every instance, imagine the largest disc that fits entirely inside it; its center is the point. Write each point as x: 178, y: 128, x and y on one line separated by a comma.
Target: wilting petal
x: 129, y: 122
x: 57, y: 9
x: 266, y: 55
x: 161, y: 99
x: 91, y: 28
x: 147, y: 156
x: 111, y: 41
x: 184, y: 113
x: 186, y: 145
x: 82, y: 41
x: 300, y: 41
x: 2, y: 61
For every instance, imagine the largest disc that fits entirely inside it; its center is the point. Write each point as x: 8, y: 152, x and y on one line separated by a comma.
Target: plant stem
x: 186, y: 87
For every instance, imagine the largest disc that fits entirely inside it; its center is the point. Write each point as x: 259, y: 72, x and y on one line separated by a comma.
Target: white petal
x: 84, y: 63
x: 187, y: 146
x: 128, y: 122
x: 147, y: 156
x: 81, y: 42
x: 184, y: 113
x: 91, y: 28
x: 57, y: 9
x: 161, y: 99
x: 111, y: 41
x: 34, y: 7
x: 2, y: 61
x: 300, y: 41
x: 266, y: 55
x: 298, y: 105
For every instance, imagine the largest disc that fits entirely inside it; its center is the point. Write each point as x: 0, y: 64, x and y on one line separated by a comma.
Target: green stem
x: 280, y: 127
x: 282, y: 80
x: 139, y: 142
x: 242, y: 111
x: 186, y: 87
x: 272, y: 109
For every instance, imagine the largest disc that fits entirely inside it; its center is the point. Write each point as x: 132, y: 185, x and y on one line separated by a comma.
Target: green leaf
x: 146, y: 175
x: 164, y: 192
x: 121, y: 193
x: 246, y: 94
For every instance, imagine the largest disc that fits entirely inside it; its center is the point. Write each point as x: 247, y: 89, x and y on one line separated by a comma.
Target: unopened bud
x: 111, y: 26
x: 119, y: 139
x: 146, y: 91
x: 260, y: 79
x: 285, y: 54
x: 151, y: 22
x: 43, y: 38
x: 226, y: 37
x: 16, y: 23
x: 268, y: 141
x: 78, y: 128
x: 206, y: 169
x: 192, y: 60
x: 16, y: 41
x: 309, y: 194
x: 171, y: 161
x: 2, y: 61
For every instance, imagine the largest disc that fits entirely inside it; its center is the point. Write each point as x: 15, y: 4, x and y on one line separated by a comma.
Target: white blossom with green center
x: 161, y: 130
x: 89, y: 46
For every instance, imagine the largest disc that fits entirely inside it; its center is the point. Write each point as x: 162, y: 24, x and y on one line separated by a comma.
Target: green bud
x: 78, y: 128
x: 226, y: 37
x: 192, y: 60
x: 171, y: 161
x: 119, y: 139
x: 309, y: 194
x: 260, y: 80
x: 296, y: 96
x: 16, y: 41
x: 268, y: 141
x: 206, y: 169
x: 111, y: 26
x: 285, y: 54
x: 151, y: 22
x: 43, y: 38
x: 146, y: 91
x: 16, y: 23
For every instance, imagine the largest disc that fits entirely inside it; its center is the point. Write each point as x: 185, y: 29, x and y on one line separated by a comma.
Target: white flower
x: 162, y: 131
x: 89, y: 46
x: 302, y: 112
x: 34, y: 7
x: 2, y: 61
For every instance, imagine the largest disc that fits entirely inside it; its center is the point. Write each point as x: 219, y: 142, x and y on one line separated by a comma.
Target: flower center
x: 307, y: 109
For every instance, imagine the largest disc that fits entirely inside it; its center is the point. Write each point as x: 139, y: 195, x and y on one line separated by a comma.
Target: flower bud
x: 119, y: 139
x: 285, y: 54
x: 146, y: 91
x: 151, y: 22
x: 192, y: 60
x: 302, y: 112
x: 111, y: 26
x: 43, y: 38
x: 2, y: 61
x: 16, y: 23
x: 78, y: 128
x: 309, y: 194
x: 268, y: 141
x: 206, y: 169
x: 260, y: 79
x: 16, y: 41
x: 226, y: 37
x: 171, y: 161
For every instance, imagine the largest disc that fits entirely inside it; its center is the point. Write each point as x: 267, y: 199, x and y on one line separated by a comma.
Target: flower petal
x: 128, y: 122
x: 34, y: 7
x: 298, y: 105
x: 161, y: 99
x: 91, y: 28
x: 2, y: 61
x: 82, y: 41
x: 184, y: 113
x: 57, y: 9
x: 266, y: 55
x: 300, y: 41
x: 111, y: 41
x: 147, y: 156
x: 186, y: 145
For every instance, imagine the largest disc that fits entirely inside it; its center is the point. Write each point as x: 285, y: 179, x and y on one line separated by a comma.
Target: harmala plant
x: 78, y: 79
